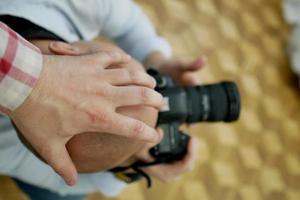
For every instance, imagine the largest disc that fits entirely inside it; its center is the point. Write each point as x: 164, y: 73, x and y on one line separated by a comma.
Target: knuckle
x: 99, y: 120
x: 145, y: 94
x: 126, y: 74
x: 103, y: 117
x: 95, y: 60
x: 101, y: 58
x: 112, y: 56
x: 137, y: 66
x: 138, y: 128
x: 135, y: 76
x: 104, y: 91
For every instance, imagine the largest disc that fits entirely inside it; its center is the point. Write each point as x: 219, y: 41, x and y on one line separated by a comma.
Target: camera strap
x: 130, y: 177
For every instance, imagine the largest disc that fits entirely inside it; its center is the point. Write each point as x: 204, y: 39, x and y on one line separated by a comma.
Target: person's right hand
x: 76, y: 94
x: 167, y: 172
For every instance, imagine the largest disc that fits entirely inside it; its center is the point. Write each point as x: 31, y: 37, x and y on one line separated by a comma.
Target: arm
x: 126, y: 24
x: 130, y: 28
x: 92, y: 151
x: 54, y: 98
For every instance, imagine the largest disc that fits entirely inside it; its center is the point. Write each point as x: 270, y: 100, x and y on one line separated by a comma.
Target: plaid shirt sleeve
x: 20, y: 66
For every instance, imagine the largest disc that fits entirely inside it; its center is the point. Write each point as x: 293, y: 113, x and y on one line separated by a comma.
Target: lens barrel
x: 214, y: 102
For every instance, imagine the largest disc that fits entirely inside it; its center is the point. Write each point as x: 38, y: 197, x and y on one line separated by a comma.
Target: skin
x: 96, y: 152
x: 91, y: 151
x: 82, y: 94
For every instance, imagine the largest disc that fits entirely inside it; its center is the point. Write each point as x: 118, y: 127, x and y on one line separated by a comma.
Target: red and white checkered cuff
x: 20, y: 67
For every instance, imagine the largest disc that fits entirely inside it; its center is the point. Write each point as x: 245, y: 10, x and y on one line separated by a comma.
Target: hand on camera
x: 184, y: 73
x: 82, y: 93
x: 168, y: 172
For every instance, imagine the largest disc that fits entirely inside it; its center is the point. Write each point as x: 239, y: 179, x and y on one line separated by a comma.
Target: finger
x: 63, y: 48
x: 197, y: 64
x: 132, y: 128
x: 191, y: 157
x: 161, y: 136
x: 190, y: 78
x: 188, y: 162
x: 144, y: 154
x: 122, y: 76
x: 164, y: 172
x: 133, y: 65
x: 191, y: 125
x: 58, y: 158
x: 135, y: 95
x: 106, y: 58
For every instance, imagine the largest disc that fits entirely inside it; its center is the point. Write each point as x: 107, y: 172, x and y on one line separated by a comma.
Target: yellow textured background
x: 258, y: 157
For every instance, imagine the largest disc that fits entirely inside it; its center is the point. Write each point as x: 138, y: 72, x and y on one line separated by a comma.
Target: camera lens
x: 215, y: 102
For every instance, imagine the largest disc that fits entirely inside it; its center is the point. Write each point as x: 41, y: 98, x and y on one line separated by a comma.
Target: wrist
x: 47, y: 61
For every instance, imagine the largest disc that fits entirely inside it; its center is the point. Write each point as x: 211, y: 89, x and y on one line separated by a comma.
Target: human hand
x: 86, y: 48
x: 184, y: 73
x: 81, y: 94
x: 168, y: 172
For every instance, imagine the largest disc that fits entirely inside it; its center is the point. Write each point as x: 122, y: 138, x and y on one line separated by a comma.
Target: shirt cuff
x: 20, y: 67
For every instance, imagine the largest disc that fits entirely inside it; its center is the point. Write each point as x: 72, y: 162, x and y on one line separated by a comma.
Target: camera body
x: 211, y: 103
x: 173, y: 146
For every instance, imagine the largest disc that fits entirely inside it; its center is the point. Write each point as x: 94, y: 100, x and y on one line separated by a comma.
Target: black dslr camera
x: 211, y: 103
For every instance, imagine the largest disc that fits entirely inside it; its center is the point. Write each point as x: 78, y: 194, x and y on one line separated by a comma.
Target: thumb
x: 59, y: 159
x: 197, y: 64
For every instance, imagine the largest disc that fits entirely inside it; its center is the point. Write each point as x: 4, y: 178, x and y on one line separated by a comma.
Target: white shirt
x: 119, y: 20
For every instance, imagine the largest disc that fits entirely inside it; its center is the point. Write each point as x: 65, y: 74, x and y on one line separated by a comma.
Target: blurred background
x: 258, y: 157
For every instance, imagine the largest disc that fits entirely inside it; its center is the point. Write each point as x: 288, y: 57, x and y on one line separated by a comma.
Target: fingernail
x: 199, y: 61
x: 71, y: 182
x: 154, y: 81
x: 204, y: 59
x: 164, y: 103
x: 128, y: 57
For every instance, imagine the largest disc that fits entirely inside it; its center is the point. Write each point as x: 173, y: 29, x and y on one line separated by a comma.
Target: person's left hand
x: 184, y: 73
x: 168, y: 172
